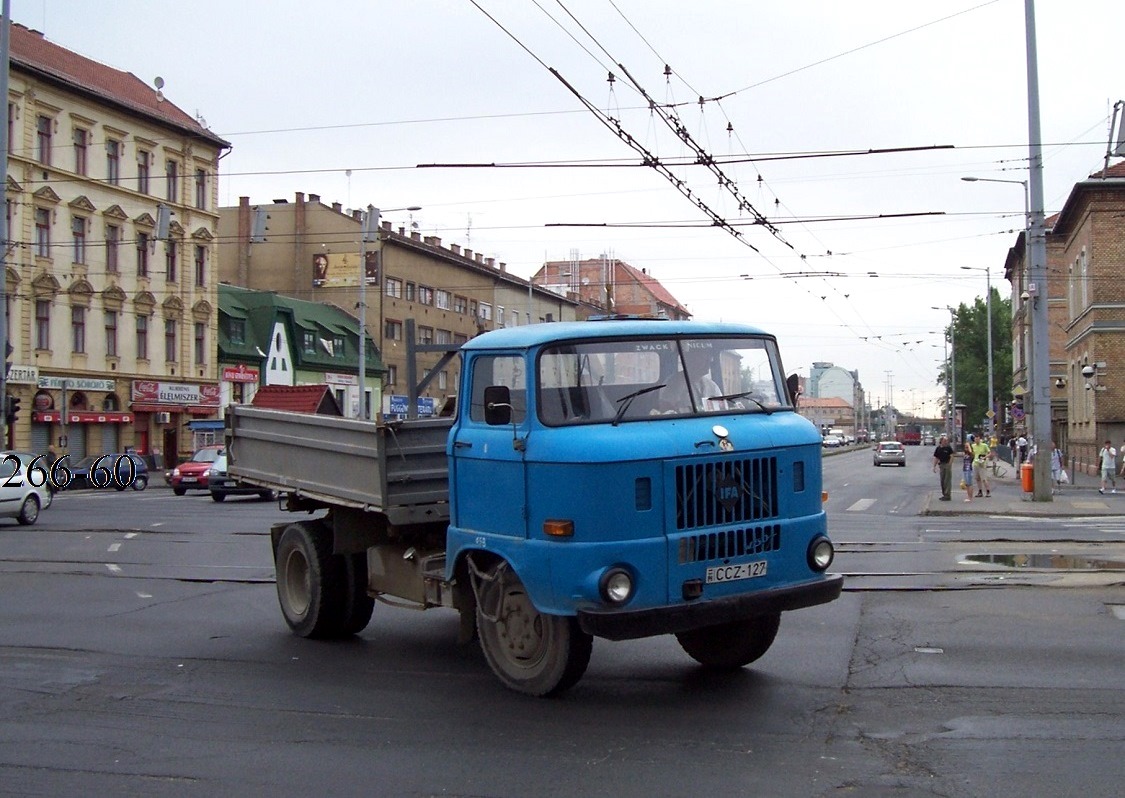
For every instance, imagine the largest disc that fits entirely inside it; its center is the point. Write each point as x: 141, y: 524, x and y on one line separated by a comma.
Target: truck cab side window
x: 503, y: 370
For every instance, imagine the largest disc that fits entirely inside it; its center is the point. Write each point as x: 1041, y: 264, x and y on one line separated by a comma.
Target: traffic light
x: 11, y: 409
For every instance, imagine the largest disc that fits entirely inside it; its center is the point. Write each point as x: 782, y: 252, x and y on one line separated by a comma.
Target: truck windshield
x: 607, y: 381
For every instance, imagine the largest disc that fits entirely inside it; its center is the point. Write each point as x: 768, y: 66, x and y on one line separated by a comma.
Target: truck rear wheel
x: 530, y: 652
x: 312, y: 585
x: 730, y: 646
x: 358, y: 605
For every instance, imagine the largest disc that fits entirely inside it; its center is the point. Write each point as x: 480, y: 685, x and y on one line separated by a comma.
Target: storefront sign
x: 23, y: 375
x: 82, y: 417
x: 77, y: 384
x: 240, y: 373
x: 176, y: 393
x: 332, y: 378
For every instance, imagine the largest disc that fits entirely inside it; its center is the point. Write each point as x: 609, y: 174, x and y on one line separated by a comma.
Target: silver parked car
x: 890, y: 452
x: 23, y: 490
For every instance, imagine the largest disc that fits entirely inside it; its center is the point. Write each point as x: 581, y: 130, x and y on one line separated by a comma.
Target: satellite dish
x: 159, y: 82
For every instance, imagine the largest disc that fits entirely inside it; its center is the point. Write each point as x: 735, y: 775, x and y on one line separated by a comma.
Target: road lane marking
x: 114, y: 546
x: 860, y: 506
x: 113, y: 568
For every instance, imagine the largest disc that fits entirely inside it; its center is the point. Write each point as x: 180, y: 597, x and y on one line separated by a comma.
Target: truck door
x: 488, y: 484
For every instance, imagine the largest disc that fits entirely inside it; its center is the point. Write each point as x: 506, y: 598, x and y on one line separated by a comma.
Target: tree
x: 970, y: 359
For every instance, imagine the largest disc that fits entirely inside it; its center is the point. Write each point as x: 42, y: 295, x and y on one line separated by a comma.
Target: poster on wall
x: 330, y: 269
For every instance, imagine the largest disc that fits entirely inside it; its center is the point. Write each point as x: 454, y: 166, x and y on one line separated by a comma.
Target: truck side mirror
x: 793, y: 385
x: 497, y: 405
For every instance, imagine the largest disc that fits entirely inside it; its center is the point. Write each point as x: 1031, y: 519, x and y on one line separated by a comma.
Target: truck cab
x: 622, y: 479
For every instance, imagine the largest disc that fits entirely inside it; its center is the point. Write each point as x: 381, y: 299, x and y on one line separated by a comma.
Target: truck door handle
x: 462, y: 445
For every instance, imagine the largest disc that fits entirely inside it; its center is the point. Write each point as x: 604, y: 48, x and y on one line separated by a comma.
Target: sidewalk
x: 1008, y: 498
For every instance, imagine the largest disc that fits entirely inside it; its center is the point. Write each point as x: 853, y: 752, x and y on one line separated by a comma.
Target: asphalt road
x: 142, y: 653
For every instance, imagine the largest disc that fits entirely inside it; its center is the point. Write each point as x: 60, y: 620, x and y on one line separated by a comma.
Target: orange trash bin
x: 1027, y: 477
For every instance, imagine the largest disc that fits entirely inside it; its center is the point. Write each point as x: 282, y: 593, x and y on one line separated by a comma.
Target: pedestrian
x: 967, y: 469
x: 1108, y: 457
x: 981, y: 452
x: 1056, y: 467
x: 943, y: 464
x: 1021, y: 444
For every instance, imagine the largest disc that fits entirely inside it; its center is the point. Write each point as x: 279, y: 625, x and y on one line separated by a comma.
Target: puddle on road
x: 1057, y: 562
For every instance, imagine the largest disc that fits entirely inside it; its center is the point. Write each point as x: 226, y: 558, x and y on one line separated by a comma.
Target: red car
x: 192, y: 475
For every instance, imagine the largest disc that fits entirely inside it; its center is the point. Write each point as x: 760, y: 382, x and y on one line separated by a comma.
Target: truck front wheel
x: 532, y: 653
x: 729, y: 646
x: 312, y: 583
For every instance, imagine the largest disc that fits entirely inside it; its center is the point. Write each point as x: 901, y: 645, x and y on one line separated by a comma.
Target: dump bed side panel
x: 341, y: 461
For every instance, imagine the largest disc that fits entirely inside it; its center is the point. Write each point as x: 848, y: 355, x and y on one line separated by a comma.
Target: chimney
x: 414, y: 234
x: 455, y: 249
x: 490, y: 263
x: 503, y: 266
x: 480, y: 257
x: 386, y: 225
x: 469, y: 254
x: 357, y: 214
x: 314, y: 198
x: 300, y: 198
x: 337, y: 207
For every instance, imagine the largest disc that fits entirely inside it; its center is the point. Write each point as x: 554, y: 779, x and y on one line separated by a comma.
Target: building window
x: 443, y: 337
x: 170, y: 340
x: 442, y: 380
x: 113, y: 162
x: 237, y: 331
x: 144, y: 159
x: 42, y: 233
x: 425, y: 335
x: 78, y: 231
x: 442, y: 299
x: 308, y: 342
x: 500, y: 315
x: 170, y: 250
x: 142, y: 337
x: 200, y: 188
x: 200, y: 265
x: 112, y: 240
x: 142, y: 254
x: 460, y: 304
x: 11, y: 128
x: 410, y: 292
x: 425, y: 295
x: 392, y: 330
x: 111, y: 333
x: 78, y: 329
x: 43, y: 125
x: 172, y: 176
x: 338, y: 349
x: 392, y: 375
x: 42, y: 324
x: 473, y: 308
x: 200, y: 343
x: 394, y: 288
x: 485, y: 311
x: 81, y: 142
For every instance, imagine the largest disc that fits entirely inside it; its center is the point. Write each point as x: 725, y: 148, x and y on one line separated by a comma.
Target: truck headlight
x: 820, y: 553
x: 616, y: 586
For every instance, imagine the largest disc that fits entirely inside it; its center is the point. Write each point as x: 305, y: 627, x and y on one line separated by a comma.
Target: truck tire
x: 358, y: 605
x: 530, y: 652
x: 311, y: 581
x: 730, y: 646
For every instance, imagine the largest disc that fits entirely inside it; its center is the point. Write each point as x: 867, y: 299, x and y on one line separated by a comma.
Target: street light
x: 988, y: 309
x: 1026, y: 195
x: 370, y: 233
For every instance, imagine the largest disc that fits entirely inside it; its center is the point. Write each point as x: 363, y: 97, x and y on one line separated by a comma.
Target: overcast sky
x: 308, y: 92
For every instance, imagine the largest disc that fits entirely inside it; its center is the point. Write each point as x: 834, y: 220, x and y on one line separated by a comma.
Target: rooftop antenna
x: 469, y: 229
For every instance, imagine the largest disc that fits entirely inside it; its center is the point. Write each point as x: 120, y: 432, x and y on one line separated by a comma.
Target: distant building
x: 828, y: 413
x: 610, y: 286
x: 827, y: 380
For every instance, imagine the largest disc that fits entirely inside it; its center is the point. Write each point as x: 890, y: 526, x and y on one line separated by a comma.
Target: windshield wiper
x: 743, y: 395
x: 628, y: 398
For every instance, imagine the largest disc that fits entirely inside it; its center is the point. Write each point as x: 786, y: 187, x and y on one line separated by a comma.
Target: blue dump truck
x: 616, y: 479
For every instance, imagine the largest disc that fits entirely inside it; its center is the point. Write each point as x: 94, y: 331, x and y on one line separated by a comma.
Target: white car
x: 22, y: 497
x: 832, y: 441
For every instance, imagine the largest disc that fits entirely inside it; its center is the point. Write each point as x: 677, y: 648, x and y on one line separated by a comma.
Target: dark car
x: 222, y: 484
x: 119, y: 470
x: 192, y: 475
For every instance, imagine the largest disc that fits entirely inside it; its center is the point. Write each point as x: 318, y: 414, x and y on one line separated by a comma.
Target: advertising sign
x: 341, y: 269
x: 175, y: 393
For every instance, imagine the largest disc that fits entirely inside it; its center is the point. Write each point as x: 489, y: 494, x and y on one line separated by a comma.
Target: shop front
x: 79, y: 416
x: 164, y: 413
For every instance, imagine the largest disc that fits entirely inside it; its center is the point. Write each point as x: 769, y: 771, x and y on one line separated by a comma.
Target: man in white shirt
x: 1108, y: 456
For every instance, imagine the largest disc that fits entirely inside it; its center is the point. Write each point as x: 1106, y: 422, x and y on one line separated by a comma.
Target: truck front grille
x: 730, y: 543
x: 725, y: 492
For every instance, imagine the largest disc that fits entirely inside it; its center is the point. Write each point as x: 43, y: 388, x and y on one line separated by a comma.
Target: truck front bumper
x: 631, y: 624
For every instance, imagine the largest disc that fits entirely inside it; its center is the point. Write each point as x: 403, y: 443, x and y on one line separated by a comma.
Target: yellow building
x: 111, y: 284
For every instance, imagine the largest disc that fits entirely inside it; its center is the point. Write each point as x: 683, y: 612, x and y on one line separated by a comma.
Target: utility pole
x: 1037, y: 278
x: 5, y: 53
